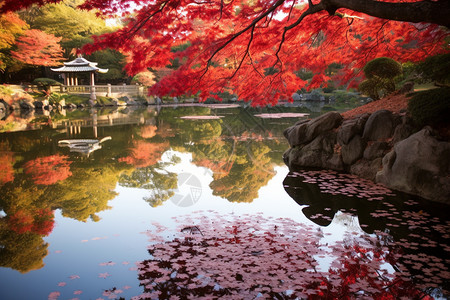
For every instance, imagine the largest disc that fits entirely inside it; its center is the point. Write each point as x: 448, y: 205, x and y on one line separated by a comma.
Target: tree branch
x: 436, y: 12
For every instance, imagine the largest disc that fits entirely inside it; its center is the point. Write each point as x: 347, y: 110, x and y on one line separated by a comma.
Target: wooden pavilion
x: 77, y: 66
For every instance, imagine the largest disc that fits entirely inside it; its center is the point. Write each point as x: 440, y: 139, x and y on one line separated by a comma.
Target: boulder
x: 322, y: 124
x: 366, y: 169
x: 350, y: 128
x: 376, y: 150
x: 380, y: 125
x: 4, y: 106
x: 26, y: 105
x: 419, y: 165
x: 38, y: 104
x: 318, y: 154
x: 353, y: 150
x: 296, y: 97
x: 403, y: 130
x: 295, y: 134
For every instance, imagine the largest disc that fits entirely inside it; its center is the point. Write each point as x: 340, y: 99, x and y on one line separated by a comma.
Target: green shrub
x: 44, y: 84
x: 383, y: 67
x: 436, y: 68
x: 381, y: 74
x: 430, y: 107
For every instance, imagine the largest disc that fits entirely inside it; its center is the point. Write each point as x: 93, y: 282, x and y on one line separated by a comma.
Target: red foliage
x: 14, y: 5
x: 254, y: 48
x: 36, y: 47
x: 49, y: 170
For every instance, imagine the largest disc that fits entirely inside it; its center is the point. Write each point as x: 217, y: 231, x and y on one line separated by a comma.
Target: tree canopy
x: 254, y: 48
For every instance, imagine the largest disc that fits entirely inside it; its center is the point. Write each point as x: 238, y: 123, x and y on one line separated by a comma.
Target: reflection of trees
x: 247, y: 258
x: 86, y: 192
x: 239, y: 159
x: 21, y: 251
x: 144, y: 153
x: 6, y: 162
x: 251, y: 170
x: 48, y: 170
x: 159, y: 182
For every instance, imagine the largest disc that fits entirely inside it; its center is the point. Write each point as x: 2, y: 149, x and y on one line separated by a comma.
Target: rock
x: 366, y: 168
x: 297, y: 97
x: 26, y: 104
x: 408, y: 87
x: 322, y: 124
x: 318, y: 153
x: 4, y: 106
x: 375, y: 150
x: 71, y: 106
x: 295, y: 134
x: 38, y: 104
x: 380, y: 125
x: 403, y: 130
x: 131, y: 102
x: 419, y: 165
x: 353, y: 150
x: 350, y: 128
x: 335, y: 163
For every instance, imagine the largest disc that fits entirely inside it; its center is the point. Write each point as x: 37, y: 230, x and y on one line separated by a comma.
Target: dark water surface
x: 195, y: 201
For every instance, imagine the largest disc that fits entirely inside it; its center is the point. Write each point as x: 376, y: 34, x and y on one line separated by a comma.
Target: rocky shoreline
x: 383, y: 147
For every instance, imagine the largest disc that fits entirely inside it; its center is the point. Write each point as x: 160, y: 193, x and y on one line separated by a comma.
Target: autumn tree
x: 233, y: 44
x: 11, y: 26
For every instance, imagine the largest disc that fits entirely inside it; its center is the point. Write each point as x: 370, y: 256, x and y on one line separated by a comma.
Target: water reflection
x: 45, y: 187
x: 413, y: 229
x: 38, y: 177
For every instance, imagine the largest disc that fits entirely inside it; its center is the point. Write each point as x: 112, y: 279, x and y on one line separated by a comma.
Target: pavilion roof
x: 79, y: 64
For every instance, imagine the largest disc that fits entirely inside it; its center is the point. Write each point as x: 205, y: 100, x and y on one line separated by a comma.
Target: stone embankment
x: 383, y: 147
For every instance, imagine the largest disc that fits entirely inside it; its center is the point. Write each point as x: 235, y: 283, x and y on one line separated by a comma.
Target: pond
x: 190, y: 202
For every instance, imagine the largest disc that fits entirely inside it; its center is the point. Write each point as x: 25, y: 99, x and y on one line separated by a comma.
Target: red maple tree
x: 254, y: 49
x: 36, y: 47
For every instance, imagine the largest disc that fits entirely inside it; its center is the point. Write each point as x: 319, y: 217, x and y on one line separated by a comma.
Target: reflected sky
x: 104, y: 224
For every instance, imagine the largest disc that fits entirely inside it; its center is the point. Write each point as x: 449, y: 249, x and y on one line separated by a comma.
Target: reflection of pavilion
x: 83, y: 146
x: 77, y: 66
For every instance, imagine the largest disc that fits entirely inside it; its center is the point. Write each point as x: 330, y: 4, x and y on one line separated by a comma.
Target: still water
x: 195, y: 202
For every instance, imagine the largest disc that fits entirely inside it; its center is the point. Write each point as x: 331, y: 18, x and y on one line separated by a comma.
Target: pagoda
x: 76, y: 66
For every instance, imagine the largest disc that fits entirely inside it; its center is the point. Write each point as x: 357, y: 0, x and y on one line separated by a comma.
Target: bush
x: 431, y: 107
x: 382, y: 67
x: 45, y: 83
x: 381, y: 74
x: 436, y: 68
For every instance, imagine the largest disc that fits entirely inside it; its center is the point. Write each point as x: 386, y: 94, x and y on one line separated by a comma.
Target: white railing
x: 102, y: 90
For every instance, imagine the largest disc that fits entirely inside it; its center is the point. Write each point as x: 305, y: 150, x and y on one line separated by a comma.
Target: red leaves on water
x: 48, y: 170
x: 253, y: 256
